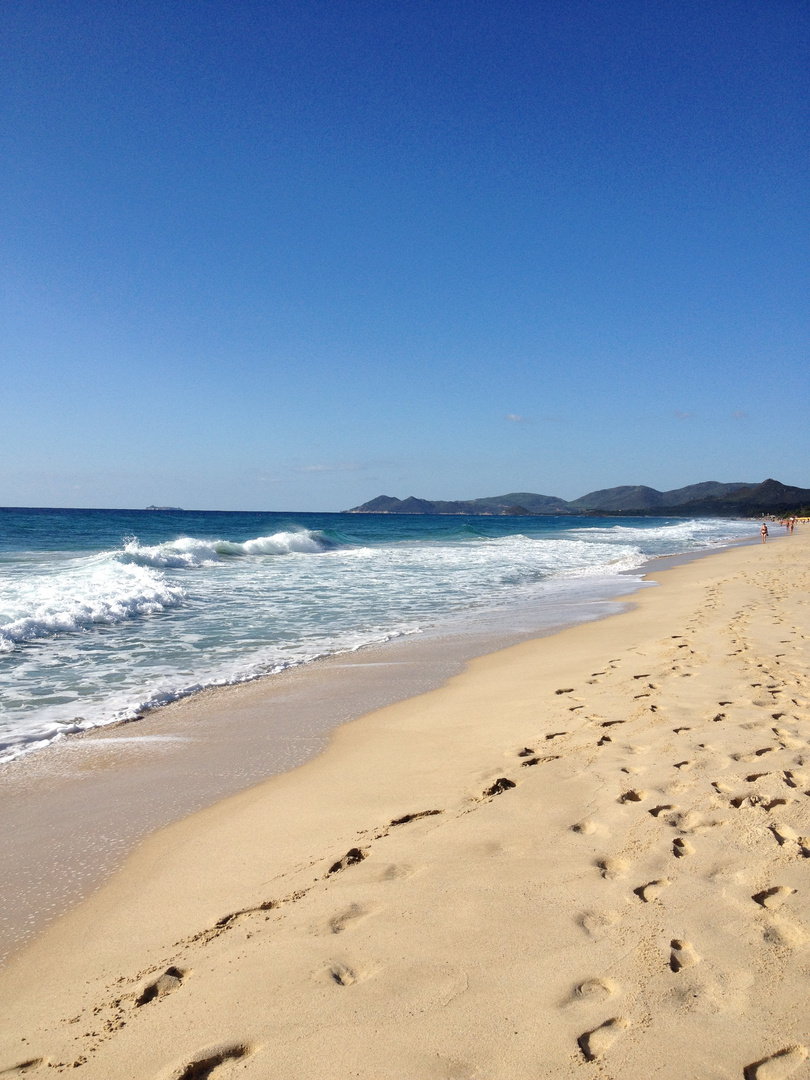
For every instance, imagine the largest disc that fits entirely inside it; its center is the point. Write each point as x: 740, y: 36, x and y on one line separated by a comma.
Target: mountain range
x: 708, y: 499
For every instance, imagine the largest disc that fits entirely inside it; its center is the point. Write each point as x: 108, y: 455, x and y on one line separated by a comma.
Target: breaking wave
x: 90, y: 593
x: 189, y: 551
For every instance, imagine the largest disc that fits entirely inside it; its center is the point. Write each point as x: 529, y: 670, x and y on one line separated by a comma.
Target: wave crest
x: 189, y: 551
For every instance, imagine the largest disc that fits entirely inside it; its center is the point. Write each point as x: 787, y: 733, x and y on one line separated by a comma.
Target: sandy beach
x: 583, y: 856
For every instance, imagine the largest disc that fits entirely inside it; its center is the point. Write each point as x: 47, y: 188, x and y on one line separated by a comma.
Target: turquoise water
x: 106, y: 612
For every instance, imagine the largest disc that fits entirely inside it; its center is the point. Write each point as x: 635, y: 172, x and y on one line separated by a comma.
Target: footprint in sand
x: 501, y: 784
x: 203, y: 1064
x: 396, y: 871
x: 773, y: 898
x: 724, y: 789
x: 795, y: 779
x: 741, y: 802
x: 788, y: 741
x: 612, y: 867
x: 784, y: 833
x: 597, y: 923
x: 406, y: 819
x: 692, y: 822
x: 682, y: 955
x: 633, y: 795
x: 594, y: 1044
x: 664, y: 808
x: 342, y: 974
x: 584, y: 827
x: 592, y: 991
x: 352, y: 856
x: 170, y: 980
x: 778, y: 1066
x: 652, y: 890
x: 784, y: 934
x: 681, y: 847
x: 338, y: 923
x: 752, y: 757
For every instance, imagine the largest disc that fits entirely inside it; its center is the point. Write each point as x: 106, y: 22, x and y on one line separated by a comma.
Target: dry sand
x: 586, y: 856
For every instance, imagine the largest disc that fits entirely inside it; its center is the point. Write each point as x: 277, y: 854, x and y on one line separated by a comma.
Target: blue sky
x: 292, y: 255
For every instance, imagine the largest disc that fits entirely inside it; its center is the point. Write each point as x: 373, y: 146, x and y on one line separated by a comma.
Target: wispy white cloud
x: 514, y: 418
x: 345, y: 466
x: 681, y: 415
x: 738, y: 414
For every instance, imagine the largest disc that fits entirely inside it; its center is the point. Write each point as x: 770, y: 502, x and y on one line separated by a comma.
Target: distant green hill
x: 520, y: 502
x: 647, y: 498
x: 754, y: 500
x: 707, y: 499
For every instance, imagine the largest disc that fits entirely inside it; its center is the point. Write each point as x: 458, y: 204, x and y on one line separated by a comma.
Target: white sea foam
x: 171, y: 686
x: 694, y: 533
x: 85, y: 593
x: 189, y: 551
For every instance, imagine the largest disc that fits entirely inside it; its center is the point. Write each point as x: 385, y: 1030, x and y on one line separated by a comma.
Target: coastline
x: 240, y: 901
x: 181, y: 757
x: 86, y: 651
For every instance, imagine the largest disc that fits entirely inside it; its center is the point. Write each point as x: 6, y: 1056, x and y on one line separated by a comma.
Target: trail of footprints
x: 148, y: 990
x: 596, y: 1042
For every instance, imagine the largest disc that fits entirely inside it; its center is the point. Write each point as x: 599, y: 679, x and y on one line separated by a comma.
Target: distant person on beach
x: 763, y: 532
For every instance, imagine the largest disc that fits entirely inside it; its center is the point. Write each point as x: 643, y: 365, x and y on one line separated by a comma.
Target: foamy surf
x: 85, y: 594
x: 189, y: 551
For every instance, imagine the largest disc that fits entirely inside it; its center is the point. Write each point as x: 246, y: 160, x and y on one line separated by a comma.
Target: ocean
x: 106, y: 613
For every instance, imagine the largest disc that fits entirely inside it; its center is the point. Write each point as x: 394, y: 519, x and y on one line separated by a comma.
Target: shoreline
x: 488, y: 894
x: 32, y: 731
x: 181, y: 757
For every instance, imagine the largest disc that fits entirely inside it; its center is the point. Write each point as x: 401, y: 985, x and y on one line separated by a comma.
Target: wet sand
x: 73, y: 811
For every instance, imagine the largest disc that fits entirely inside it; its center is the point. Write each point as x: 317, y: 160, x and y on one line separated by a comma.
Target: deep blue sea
x: 106, y: 612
